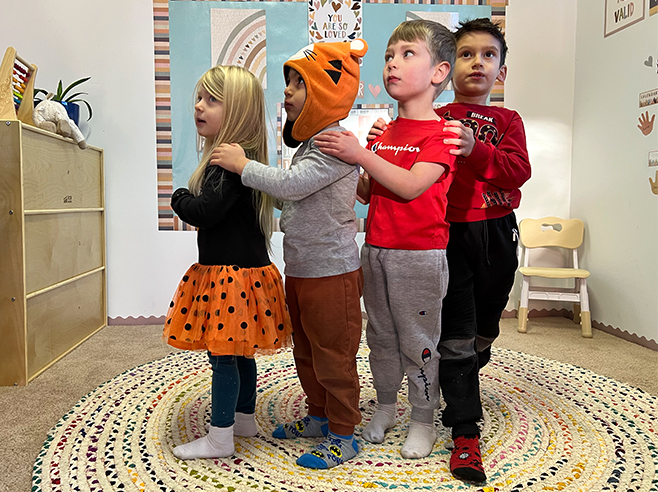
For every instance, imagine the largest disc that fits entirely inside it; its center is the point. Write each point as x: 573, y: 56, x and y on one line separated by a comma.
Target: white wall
x: 541, y: 39
x: 610, y: 179
x: 114, y: 44
x: 540, y: 84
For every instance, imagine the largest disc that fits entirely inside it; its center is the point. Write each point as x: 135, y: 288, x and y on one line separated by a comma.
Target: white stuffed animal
x: 52, y: 116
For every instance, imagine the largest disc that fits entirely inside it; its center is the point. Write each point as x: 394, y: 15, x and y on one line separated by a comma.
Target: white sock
x: 382, y: 420
x: 218, y: 443
x: 245, y: 425
x: 420, y: 440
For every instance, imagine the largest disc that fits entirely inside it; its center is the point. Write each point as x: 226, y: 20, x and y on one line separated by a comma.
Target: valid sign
x: 619, y: 14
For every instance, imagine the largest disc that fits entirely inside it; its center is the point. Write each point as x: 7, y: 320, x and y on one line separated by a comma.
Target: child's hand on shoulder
x: 343, y: 145
x: 465, y: 140
x: 377, y: 129
x: 229, y: 156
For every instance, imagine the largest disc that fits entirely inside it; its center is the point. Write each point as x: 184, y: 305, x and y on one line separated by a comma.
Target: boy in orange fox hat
x: 324, y: 280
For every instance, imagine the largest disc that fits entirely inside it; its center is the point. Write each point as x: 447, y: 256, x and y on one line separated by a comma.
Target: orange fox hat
x: 331, y: 74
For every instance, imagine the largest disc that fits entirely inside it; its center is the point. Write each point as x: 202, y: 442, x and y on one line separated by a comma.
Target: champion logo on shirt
x: 396, y: 148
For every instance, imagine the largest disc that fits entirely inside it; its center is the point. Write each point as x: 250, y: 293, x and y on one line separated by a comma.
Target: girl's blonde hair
x: 243, y: 122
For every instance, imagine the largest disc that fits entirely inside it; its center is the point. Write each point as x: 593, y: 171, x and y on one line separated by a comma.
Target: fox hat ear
x: 331, y: 75
x: 358, y: 47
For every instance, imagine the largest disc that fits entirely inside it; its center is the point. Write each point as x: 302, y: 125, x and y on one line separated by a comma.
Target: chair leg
x: 576, y: 312
x: 585, y: 315
x: 586, y: 324
x: 523, y: 320
x: 523, y: 306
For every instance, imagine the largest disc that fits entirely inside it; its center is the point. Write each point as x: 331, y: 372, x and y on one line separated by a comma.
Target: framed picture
x: 620, y: 14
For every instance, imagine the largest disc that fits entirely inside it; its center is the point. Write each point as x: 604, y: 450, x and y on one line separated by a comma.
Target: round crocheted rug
x: 547, y: 426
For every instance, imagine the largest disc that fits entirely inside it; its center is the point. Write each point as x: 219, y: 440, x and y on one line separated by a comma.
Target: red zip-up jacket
x: 487, y: 182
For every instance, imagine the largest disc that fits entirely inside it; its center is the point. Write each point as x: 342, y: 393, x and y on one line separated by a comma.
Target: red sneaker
x: 465, y: 461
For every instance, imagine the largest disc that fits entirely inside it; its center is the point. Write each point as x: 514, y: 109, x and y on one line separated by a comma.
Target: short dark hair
x: 484, y: 24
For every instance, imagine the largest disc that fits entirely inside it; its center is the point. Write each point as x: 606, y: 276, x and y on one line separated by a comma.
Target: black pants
x: 482, y: 261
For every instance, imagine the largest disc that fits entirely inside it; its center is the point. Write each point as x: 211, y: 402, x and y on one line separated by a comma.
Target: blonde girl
x: 231, y: 302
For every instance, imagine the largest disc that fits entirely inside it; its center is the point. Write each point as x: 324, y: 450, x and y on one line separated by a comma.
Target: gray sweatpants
x: 403, y: 291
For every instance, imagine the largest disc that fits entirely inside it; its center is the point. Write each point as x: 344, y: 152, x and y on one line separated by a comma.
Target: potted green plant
x: 67, y: 99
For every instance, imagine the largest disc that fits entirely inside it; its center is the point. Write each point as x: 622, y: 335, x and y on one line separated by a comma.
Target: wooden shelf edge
x: 64, y: 282
x: 54, y: 211
x: 36, y: 129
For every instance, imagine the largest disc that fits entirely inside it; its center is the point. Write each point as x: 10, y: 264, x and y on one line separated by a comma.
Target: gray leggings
x: 403, y: 291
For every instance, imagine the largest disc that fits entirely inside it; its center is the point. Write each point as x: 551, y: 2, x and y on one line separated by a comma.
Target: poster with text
x: 620, y: 14
x: 334, y: 20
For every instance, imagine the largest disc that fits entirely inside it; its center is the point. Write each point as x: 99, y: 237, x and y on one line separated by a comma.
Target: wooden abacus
x: 16, y: 88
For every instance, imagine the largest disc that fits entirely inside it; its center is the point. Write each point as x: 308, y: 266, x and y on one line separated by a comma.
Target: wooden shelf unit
x: 52, y: 249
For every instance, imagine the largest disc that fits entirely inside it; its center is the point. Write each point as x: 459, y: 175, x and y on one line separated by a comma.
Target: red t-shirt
x: 418, y: 224
x: 487, y: 182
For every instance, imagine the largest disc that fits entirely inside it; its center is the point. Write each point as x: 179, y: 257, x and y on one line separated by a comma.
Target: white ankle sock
x: 382, y: 420
x: 218, y: 443
x: 245, y: 425
x: 420, y: 440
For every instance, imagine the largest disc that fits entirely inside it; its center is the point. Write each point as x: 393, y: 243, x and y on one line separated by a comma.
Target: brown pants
x: 326, y: 321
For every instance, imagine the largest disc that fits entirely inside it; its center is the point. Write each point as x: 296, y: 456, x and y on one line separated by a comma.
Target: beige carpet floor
x: 28, y: 413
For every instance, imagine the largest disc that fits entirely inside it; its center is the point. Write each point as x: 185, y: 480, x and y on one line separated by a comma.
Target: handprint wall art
x: 654, y: 184
x: 646, y: 124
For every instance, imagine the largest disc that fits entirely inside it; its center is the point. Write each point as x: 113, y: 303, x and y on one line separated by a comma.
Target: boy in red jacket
x: 492, y: 164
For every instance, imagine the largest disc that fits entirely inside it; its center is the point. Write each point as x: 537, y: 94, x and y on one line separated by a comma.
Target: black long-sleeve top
x: 229, y: 232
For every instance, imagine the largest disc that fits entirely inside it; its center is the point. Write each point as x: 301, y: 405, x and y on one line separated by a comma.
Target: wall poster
x: 648, y: 98
x: 238, y: 38
x: 620, y: 14
x: 330, y: 20
x: 192, y: 36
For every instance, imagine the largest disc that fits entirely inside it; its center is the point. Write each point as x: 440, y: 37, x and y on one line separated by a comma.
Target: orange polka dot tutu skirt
x: 229, y: 310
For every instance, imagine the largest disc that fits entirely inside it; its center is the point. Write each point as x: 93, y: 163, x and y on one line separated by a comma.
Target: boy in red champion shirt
x: 492, y: 164
x: 404, y: 258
